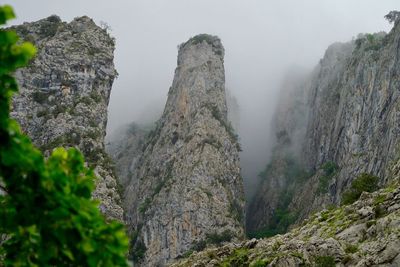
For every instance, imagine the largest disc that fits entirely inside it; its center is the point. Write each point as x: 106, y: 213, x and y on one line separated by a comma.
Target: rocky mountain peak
x: 205, y: 44
x: 185, y: 190
x: 64, y: 94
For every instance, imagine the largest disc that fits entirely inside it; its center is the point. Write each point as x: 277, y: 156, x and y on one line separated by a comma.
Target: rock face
x: 186, y: 187
x: 366, y: 233
x: 350, y: 126
x: 64, y: 95
x: 125, y: 148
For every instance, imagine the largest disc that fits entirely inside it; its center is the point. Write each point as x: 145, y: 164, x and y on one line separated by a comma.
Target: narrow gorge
x: 177, y: 183
x: 332, y: 126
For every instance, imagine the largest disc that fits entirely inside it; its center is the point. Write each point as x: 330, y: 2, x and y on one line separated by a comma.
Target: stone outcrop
x: 185, y: 189
x: 64, y: 94
x: 366, y: 233
x: 350, y: 126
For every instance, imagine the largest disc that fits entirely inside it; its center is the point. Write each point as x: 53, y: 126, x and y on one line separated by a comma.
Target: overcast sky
x: 262, y: 39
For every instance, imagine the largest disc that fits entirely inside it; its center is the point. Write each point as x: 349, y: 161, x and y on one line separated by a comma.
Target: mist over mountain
x: 263, y: 39
x: 213, y: 123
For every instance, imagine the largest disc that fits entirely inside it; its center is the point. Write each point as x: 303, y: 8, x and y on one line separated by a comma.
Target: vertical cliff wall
x: 64, y: 94
x: 351, y: 126
x: 186, y: 188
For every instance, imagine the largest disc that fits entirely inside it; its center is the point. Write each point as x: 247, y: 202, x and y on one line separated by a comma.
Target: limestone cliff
x: 64, y: 94
x: 185, y: 189
x: 350, y: 126
x: 366, y: 233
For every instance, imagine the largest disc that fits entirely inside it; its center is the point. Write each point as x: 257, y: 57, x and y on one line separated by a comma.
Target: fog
x: 262, y: 39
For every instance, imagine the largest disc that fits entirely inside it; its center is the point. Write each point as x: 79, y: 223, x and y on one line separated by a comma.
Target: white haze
x: 262, y: 40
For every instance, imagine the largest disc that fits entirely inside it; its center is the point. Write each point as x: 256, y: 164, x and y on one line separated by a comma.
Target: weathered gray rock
x: 186, y: 187
x: 125, y: 148
x: 351, y: 121
x: 325, y: 239
x: 64, y: 93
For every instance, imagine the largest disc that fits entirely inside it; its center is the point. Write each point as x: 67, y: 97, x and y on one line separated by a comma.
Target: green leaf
x: 6, y: 13
x: 48, y: 215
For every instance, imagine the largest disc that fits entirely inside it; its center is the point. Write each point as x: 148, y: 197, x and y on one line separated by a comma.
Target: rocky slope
x: 350, y: 126
x: 185, y: 189
x: 366, y: 233
x: 64, y: 95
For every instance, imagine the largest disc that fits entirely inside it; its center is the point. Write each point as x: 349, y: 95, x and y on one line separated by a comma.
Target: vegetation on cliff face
x: 294, y: 174
x: 47, y: 216
x: 363, y: 183
x: 365, y: 233
x: 351, y: 103
x: 64, y: 95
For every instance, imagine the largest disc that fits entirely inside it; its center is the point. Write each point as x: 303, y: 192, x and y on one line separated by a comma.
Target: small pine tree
x: 46, y: 212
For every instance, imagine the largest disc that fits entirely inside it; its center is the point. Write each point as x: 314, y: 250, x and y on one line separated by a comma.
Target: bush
x: 144, y: 205
x: 218, y: 239
x: 238, y: 258
x: 283, y: 217
x: 325, y: 261
x: 351, y: 248
x: 363, y: 183
x: 46, y: 212
x: 39, y: 97
x: 330, y: 169
x: 259, y: 263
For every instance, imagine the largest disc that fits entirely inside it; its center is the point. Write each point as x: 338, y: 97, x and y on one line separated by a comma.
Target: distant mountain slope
x: 340, y: 122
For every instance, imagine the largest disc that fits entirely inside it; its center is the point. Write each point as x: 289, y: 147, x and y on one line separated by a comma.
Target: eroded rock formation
x: 186, y: 188
x: 64, y: 94
x: 350, y: 125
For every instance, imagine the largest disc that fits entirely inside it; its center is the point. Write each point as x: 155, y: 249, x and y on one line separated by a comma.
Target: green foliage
x: 226, y: 124
x: 379, y: 199
x: 47, y: 212
x: 39, y: 96
x: 96, y: 97
x: 87, y: 100
x: 197, y: 246
x: 370, y: 223
x: 211, y: 238
x: 49, y: 27
x: 282, y: 218
x: 202, y: 38
x: 236, y: 211
x: 369, y: 42
x: 144, y: 205
x: 218, y: 239
x: 330, y: 169
x: 351, y: 248
x: 363, y: 183
x: 238, y: 258
x: 393, y: 16
x: 379, y: 211
x: 138, y: 251
x: 259, y: 263
x: 324, y: 261
x: 42, y: 113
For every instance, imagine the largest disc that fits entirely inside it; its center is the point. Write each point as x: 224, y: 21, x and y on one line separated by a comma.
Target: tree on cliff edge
x: 47, y: 216
x: 393, y: 16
